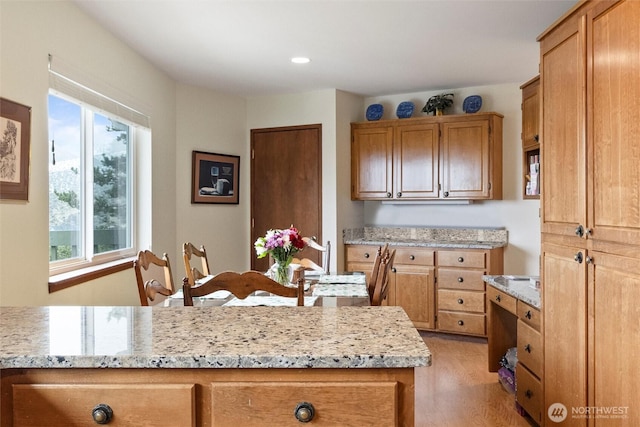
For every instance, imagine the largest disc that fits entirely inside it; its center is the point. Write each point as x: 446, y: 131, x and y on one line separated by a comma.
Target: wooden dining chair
x: 382, y: 281
x: 371, y: 284
x: 241, y: 285
x: 193, y: 273
x: 308, y: 264
x: 154, y: 277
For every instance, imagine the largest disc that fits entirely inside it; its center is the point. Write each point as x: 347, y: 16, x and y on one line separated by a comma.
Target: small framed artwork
x: 15, y: 132
x: 215, y: 178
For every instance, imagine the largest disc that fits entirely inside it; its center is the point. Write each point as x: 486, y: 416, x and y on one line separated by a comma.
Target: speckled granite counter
x: 516, y: 286
x: 464, y: 238
x: 209, y: 337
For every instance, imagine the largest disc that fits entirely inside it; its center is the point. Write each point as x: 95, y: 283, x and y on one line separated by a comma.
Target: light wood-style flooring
x: 458, y: 390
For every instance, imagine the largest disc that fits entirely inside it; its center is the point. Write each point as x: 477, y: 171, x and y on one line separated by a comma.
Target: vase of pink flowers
x: 281, y: 245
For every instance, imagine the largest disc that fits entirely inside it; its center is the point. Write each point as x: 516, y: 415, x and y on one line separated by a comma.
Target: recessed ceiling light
x: 300, y: 60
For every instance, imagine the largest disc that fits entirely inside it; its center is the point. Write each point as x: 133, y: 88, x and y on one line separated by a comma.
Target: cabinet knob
x: 393, y: 270
x: 460, y: 279
x: 460, y: 259
x: 528, y: 394
x: 588, y: 260
x: 304, y: 412
x: 527, y: 348
x: 460, y: 323
x: 446, y: 194
x: 536, y: 138
x: 366, y: 255
x: 411, y: 257
x: 460, y: 301
x: 498, y: 298
x: 528, y: 314
x: 399, y: 194
x: 578, y: 257
x: 389, y: 195
x: 579, y: 231
x: 102, y: 413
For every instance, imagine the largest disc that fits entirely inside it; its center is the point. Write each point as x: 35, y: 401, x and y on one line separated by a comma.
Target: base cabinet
x: 208, y: 397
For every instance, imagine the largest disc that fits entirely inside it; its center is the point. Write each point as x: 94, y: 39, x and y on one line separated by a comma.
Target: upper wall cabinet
x: 426, y: 158
x: 531, y: 138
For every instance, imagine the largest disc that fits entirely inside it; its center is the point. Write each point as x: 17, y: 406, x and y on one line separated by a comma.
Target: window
x: 91, y: 179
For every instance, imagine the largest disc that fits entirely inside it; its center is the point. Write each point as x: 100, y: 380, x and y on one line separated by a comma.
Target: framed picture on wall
x: 215, y: 178
x: 15, y: 131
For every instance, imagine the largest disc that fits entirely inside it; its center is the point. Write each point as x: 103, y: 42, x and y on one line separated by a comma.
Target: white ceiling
x: 370, y: 48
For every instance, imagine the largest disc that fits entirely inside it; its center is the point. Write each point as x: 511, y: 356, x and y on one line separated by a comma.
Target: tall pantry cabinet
x: 590, y: 209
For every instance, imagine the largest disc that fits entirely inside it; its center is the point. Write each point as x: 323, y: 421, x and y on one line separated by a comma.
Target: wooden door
x: 614, y: 123
x: 416, y: 158
x: 371, y: 162
x: 563, y: 132
x: 414, y: 292
x: 286, y: 184
x: 614, y: 287
x: 564, y: 301
x: 465, y: 160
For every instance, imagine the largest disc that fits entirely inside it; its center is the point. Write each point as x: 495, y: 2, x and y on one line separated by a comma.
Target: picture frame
x: 15, y: 134
x: 215, y: 178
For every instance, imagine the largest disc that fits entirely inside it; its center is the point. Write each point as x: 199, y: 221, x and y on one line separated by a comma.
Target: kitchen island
x: 208, y: 366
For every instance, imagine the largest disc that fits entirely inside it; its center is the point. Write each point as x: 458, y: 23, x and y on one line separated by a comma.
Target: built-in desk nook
x: 514, y: 320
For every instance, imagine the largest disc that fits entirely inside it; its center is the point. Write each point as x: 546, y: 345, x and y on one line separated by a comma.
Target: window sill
x: 76, y: 277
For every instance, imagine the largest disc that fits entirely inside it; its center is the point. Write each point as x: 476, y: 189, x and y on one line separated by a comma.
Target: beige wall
x: 518, y: 216
x: 29, y: 31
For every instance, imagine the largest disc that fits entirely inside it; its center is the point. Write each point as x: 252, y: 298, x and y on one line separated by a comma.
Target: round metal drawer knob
x: 460, y: 322
x: 366, y: 255
x: 460, y: 259
x: 304, y: 412
x: 460, y: 301
x: 102, y: 413
x: 460, y: 279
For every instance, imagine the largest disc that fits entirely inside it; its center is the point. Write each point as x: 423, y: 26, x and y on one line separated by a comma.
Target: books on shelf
x: 533, y: 178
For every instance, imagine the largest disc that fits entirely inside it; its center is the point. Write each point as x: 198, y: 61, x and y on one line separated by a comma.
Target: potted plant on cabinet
x: 437, y: 104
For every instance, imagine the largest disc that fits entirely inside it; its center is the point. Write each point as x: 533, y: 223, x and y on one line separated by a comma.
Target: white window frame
x: 87, y: 258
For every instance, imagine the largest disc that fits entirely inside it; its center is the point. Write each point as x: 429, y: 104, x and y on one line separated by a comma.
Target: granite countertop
x: 461, y: 238
x: 209, y: 337
x: 516, y: 286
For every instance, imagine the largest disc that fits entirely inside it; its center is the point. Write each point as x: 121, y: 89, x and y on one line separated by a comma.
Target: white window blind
x: 68, y: 80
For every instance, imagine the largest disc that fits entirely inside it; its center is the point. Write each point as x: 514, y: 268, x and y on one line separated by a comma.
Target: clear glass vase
x: 280, y: 271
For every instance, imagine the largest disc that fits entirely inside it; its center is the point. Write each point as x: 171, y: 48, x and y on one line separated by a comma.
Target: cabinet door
x: 414, y: 292
x: 465, y: 160
x: 563, y: 131
x: 615, y: 211
x: 371, y: 163
x: 614, y: 282
x: 415, y: 156
x: 564, y: 329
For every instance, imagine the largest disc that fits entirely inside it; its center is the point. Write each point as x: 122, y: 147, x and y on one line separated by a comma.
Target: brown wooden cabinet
x: 440, y: 157
x: 591, y: 210
x: 461, y: 290
x: 531, y: 138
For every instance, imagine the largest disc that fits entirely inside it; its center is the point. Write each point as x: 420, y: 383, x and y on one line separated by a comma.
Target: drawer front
x: 463, y: 323
x: 530, y: 348
x: 417, y: 256
x: 502, y: 299
x: 171, y: 405
x: 529, y: 315
x: 469, y: 301
x: 460, y: 279
x: 334, y: 403
x: 467, y: 259
x: 361, y: 253
x: 529, y: 392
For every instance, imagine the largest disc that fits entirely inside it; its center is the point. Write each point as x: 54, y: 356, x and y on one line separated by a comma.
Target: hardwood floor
x: 458, y: 390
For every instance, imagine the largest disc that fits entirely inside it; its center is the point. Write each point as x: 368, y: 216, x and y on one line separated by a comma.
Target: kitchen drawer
x: 249, y: 404
x: 453, y: 300
x: 529, y: 315
x: 530, y: 348
x: 171, y: 405
x: 460, y: 279
x: 467, y: 259
x: 361, y: 253
x: 529, y: 392
x: 459, y: 322
x: 502, y: 299
x: 418, y: 256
